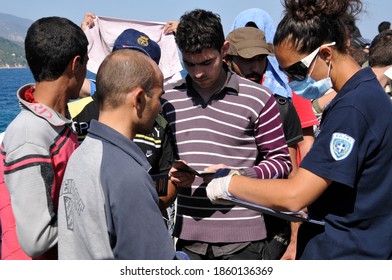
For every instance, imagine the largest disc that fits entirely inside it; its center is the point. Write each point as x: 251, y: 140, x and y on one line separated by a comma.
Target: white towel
x: 106, y: 30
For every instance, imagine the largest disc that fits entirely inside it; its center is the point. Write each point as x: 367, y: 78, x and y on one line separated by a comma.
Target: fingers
x: 170, y: 27
x: 88, y: 21
x: 181, y: 179
x: 216, y: 167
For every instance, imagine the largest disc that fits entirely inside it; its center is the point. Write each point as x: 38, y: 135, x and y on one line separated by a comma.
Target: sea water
x: 10, y: 81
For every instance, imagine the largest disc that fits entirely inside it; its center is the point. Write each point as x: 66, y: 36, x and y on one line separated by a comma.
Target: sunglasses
x: 299, y: 70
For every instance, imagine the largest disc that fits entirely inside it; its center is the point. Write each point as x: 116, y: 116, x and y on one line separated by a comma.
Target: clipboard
x: 181, y: 166
x: 289, y: 216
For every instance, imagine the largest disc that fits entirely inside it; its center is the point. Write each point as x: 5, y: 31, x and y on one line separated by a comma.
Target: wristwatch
x: 316, y: 106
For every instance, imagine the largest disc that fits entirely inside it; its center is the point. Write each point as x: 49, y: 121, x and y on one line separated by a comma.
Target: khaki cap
x: 248, y: 42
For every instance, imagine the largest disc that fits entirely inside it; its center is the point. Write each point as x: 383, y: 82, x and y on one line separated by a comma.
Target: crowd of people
x: 286, y: 117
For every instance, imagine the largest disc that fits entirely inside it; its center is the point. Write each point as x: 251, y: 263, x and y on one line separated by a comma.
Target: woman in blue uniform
x: 346, y: 178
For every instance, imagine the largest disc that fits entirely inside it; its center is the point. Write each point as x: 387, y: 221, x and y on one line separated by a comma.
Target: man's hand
x: 170, y: 27
x: 88, y: 21
x: 180, y: 178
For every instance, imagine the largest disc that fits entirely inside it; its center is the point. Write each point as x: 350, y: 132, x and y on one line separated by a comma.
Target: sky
x: 375, y: 12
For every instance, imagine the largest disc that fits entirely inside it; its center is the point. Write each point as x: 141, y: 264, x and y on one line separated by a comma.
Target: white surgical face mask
x: 311, y: 89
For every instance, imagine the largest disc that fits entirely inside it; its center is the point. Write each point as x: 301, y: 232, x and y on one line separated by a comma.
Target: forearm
x: 271, y: 144
x: 293, y: 157
x: 166, y: 201
x: 291, y: 250
x: 305, y: 145
x: 292, y: 194
x: 33, y: 210
x: 262, y: 192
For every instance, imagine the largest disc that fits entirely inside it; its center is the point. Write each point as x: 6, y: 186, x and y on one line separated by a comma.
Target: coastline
x: 13, y: 67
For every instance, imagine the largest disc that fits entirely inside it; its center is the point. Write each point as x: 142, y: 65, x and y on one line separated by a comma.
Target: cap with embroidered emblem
x: 134, y: 39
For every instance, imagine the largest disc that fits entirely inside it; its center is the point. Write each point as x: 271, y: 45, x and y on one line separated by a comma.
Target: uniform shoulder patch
x: 341, y: 145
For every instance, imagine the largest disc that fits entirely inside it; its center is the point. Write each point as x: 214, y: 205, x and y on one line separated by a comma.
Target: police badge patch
x: 341, y: 145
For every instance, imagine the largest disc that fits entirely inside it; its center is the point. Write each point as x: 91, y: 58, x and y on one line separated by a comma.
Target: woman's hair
x: 307, y: 24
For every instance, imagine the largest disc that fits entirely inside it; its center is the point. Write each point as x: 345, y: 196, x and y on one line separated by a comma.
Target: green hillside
x: 11, y: 54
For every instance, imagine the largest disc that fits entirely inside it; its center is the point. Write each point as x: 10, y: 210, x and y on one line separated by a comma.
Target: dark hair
x: 308, y: 24
x: 357, y: 42
x: 380, y: 51
x: 121, y: 72
x: 385, y: 25
x: 199, y: 30
x: 50, y: 44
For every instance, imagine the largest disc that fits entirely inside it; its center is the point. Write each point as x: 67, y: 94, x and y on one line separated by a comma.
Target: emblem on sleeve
x: 341, y: 145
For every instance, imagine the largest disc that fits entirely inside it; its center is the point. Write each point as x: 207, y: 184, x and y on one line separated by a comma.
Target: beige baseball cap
x: 248, y: 42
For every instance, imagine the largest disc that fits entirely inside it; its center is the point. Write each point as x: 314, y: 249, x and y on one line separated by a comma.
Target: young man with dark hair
x: 39, y: 141
x: 219, y: 119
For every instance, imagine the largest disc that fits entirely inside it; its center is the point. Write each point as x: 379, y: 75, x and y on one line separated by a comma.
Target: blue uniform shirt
x: 354, y: 150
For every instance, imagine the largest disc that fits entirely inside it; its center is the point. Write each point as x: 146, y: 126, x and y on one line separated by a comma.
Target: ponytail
x: 308, y: 24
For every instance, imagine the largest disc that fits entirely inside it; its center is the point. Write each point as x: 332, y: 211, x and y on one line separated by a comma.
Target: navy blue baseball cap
x: 134, y: 39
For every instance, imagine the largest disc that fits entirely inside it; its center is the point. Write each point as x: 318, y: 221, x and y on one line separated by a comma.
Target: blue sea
x: 10, y: 81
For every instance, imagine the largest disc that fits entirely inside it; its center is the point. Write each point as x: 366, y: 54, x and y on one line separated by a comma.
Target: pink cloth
x: 11, y: 249
x: 102, y: 36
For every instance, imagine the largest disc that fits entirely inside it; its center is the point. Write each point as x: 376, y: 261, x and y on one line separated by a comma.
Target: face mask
x: 311, y: 89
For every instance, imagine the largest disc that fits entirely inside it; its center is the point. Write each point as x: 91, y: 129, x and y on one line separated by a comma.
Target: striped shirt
x: 240, y: 126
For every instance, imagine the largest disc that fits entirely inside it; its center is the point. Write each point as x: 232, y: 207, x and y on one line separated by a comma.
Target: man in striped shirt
x: 220, y: 119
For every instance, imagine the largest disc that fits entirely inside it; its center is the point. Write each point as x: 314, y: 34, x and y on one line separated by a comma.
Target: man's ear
x: 138, y: 99
x: 225, y: 48
x: 75, y: 64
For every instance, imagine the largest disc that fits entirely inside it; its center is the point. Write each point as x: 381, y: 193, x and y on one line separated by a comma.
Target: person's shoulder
x: 28, y: 121
x: 363, y: 82
x: 160, y: 121
x: 243, y: 82
x: 77, y: 106
x: 29, y: 129
x: 251, y: 88
x: 174, y: 91
x: 177, y: 85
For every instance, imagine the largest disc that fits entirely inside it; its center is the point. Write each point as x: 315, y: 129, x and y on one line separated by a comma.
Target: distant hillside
x: 11, y: 54
x: 13, y: 28
x: 12, y: 34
